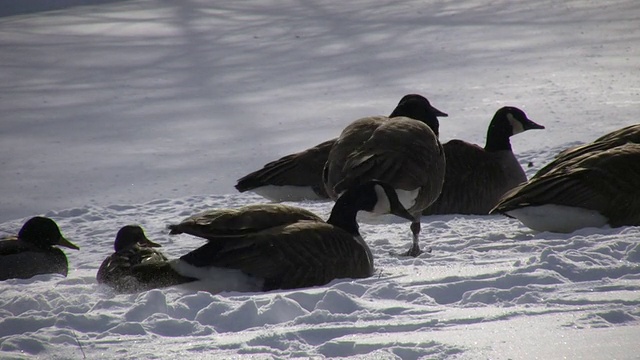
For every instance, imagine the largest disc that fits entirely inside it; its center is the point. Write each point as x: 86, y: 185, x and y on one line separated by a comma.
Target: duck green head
x: 44, y: 232
x: 131, y: 235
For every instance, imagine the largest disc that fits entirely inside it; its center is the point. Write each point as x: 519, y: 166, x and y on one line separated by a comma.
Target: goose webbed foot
x: 415, y: 251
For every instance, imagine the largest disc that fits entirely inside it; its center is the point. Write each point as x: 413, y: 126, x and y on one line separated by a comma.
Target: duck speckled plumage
x: 122, y: 271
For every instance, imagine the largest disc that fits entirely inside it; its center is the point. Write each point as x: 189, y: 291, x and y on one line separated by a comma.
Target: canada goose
x: 294, y: 177
x: 475, y: 177
x: 628, y: 134
x: 595, y: 189
x: 133, y: 248
x: 401, y: 150
x: 32, y: 251
x: 273, y: 246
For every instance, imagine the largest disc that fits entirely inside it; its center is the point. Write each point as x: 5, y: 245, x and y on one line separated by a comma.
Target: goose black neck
x: 343, y: 215
x: 498, y: 136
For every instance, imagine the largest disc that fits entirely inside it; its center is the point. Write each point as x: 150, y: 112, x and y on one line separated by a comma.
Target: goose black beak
x: 530, y: 125
x: 439, y: 113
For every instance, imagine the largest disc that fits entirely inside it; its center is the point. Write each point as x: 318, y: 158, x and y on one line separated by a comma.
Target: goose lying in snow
x: 273, y: 246
x: 475, y: 177
x: 592, y: 190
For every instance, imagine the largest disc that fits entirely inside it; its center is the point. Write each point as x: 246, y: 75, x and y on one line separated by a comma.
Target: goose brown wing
x: 629, y: 133
x: 352, y: 137
x: 402, y: 152
x: 299, y: 169
x: 605, y: 181
x: 304, y: 254
x: 568, y: 157
x: 241, y: 221
x: 571, y: 156
x: 474, y: 180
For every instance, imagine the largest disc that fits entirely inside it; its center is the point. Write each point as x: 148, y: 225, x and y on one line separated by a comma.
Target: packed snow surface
x: 145, y: 112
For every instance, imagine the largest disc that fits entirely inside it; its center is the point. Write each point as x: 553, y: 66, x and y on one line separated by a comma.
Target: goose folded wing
x: 298, y: 255
x: 242, y: 221
x: 307, y: 165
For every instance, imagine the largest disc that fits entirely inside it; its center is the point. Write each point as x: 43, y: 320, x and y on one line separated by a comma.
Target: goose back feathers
x: 628, y: 134
x: 594, y: 189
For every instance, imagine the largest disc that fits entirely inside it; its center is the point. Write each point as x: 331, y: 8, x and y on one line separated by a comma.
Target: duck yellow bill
x: 149, y: 243
x: 66, y: 243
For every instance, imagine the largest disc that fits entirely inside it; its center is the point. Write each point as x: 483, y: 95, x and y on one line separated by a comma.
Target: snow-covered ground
x: 148, y: 111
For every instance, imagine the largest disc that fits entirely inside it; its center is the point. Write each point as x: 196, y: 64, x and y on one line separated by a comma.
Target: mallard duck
x: 133, y: 248
x: 476, y: 177
x: 594, y: 189
x: 294, y: 177
x: 33, y: 252
x: 273, y: 246
x: 402, y: 150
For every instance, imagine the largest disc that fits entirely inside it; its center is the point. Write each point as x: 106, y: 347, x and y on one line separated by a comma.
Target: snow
x: 146, y: 112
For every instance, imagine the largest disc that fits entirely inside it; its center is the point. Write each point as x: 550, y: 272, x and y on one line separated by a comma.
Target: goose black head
x: 418, y: 107
x: 506, y: 122
x: 516, y: 118
x: 43, y: 232
x: 131, y: 235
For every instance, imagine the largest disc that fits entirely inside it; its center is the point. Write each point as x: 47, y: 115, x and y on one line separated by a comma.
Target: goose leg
x: 415, y: 246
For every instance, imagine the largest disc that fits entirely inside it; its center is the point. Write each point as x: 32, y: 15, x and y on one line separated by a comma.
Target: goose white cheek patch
x: 515, y: 124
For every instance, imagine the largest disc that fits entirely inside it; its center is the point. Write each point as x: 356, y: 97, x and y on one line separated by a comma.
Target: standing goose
x: 595, y: 189
x: 133, y: 248
x: 475, y: 177
x: 32, y: 251
x: 271, y: 246
x: 294, y: 177
x: 401, y: 150
x: 628, y: 134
